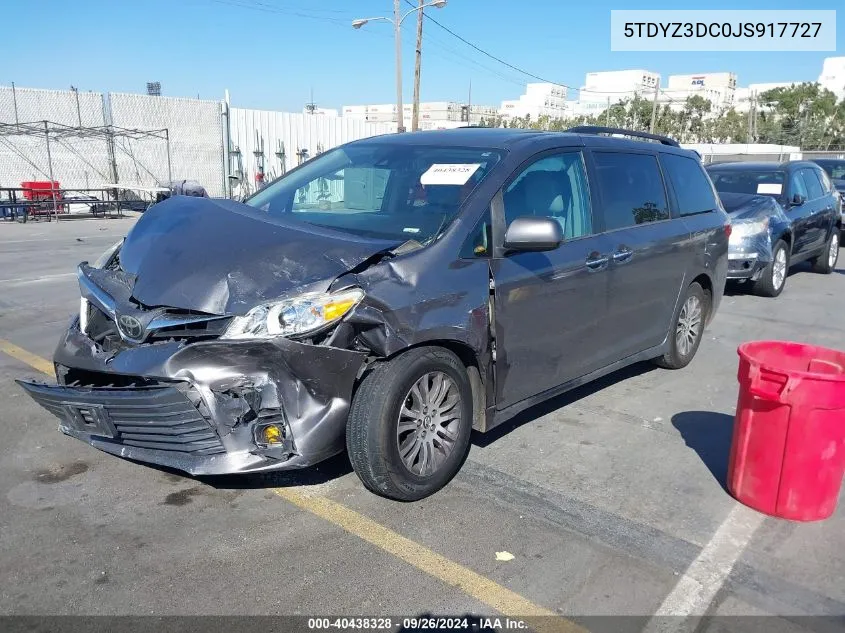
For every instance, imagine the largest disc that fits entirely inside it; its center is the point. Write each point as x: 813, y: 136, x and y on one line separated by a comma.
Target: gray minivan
x: 389, y: 296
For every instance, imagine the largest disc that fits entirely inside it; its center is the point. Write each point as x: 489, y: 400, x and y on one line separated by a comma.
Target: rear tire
x: 410, y: 422
x: 773, y: 279
x: 687, y: 328
x: 825, y: 262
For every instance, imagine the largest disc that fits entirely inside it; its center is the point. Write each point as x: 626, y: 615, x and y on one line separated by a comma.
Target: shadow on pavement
x: 332, y: 468
x: 543, y: 408
x: 708, y: 434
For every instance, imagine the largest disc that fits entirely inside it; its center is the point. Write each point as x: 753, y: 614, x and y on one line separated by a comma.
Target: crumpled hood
x: 748, y: 206
x: 224, y: 257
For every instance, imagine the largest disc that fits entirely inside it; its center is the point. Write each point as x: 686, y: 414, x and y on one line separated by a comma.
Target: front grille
x: 103, y: 330
x: 199, y: 331
x: 163, y: 417
x: 73, y: 377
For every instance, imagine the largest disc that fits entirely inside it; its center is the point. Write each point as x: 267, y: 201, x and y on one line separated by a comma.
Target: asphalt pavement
x: 609, y: 500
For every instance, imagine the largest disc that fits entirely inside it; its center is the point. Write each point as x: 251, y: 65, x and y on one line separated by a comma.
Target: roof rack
x: 598, y: 129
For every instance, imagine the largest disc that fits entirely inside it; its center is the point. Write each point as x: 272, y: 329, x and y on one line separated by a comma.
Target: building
x: 539, y: 99
x: 833, y: 76
x: 320, y: 111
x: 433, y: 114
x: 610, y: 87
x: 746, y: 96
x: 717, y: 88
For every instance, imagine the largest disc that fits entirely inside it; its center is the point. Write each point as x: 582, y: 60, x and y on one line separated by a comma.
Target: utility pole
x: 750, y: 136
x: 397, y: 33
x: 469, y: 104
x: 654, y: 106
x: 607, y: 114
x: 415, y: 116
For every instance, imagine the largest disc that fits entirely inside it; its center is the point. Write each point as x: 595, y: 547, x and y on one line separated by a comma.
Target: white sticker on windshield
x: 449, y: 174
x: 772, y: 188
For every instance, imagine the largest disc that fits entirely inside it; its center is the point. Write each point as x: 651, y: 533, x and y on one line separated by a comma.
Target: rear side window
x: 827, y: 185
x: 631, y: 188
x: 814, y: 187
x: 692, y: 187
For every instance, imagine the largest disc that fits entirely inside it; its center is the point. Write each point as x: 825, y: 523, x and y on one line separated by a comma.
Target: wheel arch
x: 477, y: 372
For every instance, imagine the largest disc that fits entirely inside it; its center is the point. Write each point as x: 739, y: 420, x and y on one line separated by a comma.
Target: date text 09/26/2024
x: 418, y: 623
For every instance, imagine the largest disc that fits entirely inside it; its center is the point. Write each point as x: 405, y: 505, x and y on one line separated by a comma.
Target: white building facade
x: 539, y: 99
x: 717, y: 88
x: 433, y: 114
x: 610, y: 87
x: 833, y: 76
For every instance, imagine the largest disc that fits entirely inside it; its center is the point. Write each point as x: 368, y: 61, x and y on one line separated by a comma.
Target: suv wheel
x: 410, y: 422
x: 687, y: 328
x: 825, y: 263
x: 773, y: 279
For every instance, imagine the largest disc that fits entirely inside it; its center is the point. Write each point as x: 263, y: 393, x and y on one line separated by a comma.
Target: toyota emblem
x: 130, y: 327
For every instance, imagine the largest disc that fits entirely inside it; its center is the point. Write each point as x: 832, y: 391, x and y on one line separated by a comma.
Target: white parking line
x: 707, y: 574
x: 29, y: 280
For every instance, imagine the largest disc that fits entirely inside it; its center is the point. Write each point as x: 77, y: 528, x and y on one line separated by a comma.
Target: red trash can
x: 788, y: 450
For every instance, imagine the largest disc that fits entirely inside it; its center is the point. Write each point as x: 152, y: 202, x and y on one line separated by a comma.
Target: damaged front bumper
x: 749, y: 256
x: 201, y: 407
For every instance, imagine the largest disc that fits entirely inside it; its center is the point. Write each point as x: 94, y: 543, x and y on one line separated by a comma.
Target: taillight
x: 728, y: 230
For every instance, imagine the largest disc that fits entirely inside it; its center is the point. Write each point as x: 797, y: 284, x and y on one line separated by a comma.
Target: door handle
x: 596, y: 262
x: 622, y: 255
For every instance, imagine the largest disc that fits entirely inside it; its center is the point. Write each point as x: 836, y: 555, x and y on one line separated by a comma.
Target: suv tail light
x: 728, y: 230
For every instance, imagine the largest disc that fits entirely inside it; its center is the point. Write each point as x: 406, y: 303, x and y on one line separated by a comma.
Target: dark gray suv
x: 389, y: 296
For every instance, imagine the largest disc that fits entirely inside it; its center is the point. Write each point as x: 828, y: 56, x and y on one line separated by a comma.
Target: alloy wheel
x: 833, y: 254
x: 689, y: 325
x: 428, y: 424
x: 779, y: 269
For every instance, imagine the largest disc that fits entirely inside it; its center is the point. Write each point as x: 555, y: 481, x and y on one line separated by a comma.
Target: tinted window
x: 556, y: 187
x: 814, y: 187
x: 631, y: 188
x: 796, y: 185
x: 754, y: 181
x: 834, y: 168
x: 691, y: 185
x: 827, y: 185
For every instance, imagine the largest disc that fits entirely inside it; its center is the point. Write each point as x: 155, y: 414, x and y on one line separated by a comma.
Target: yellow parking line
x: 483, y: 589
x: 486, y: 591
x: 36, y: 362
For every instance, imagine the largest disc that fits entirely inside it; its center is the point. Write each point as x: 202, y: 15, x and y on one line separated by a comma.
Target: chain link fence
x: 195, y: 129
x: 77, y: 162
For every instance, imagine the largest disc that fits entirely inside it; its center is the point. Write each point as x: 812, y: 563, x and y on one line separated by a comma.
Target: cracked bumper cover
x: 200, y: 403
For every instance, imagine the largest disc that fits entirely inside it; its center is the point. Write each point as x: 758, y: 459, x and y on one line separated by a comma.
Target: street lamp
x: 396, y: 21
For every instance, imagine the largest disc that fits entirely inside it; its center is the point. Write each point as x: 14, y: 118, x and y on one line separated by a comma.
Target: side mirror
x: 798, y: 200
x: 529, y: 233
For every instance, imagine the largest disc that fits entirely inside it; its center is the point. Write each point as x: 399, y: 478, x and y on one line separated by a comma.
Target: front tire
x: 687, y: 328
x: 409, y: 425
x: 825, y: 263
x: 773, y: 279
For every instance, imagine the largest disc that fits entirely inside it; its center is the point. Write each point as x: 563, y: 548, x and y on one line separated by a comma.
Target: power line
x: 522, y: 71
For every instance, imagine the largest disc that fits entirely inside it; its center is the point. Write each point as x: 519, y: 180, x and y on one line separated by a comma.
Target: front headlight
x: 305, y: 314
x: 743, y: 229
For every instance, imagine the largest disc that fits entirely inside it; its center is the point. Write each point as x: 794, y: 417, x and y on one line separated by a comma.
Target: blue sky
x: 271, y: 53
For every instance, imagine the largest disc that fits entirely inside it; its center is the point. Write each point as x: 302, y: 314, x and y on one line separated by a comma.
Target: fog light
x: 272, y: 434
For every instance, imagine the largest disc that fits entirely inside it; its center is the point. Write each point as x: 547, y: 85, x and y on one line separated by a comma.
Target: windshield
x: 761, y: 182
x: 834, y: 168
x: 380, y: 190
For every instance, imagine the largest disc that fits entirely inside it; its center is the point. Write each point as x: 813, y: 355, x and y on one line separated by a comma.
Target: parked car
x: 806, y: 195
x: 389, y: 296
x: 758, y: 252
x: 835, y: 169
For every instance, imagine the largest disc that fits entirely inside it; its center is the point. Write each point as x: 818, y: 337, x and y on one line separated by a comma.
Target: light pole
x: 397, y: 20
